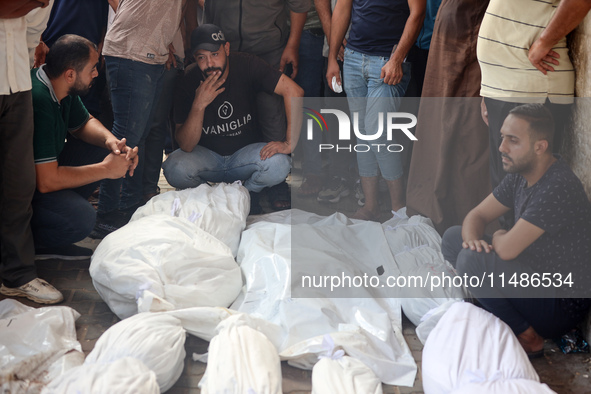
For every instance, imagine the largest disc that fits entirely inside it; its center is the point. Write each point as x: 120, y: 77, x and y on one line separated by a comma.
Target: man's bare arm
x: 568, y: 16
x: 114, y: 4
x: 51, y: 177
x: 392, y: 71
x: 477, y: 219
x: 17, y: 8
x: 290, y: 91
x: 341, y: 17
x: 291, y: 54
x: 324, y: 14
x: 509, y: 244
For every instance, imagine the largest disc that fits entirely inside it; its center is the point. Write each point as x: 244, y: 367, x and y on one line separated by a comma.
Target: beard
x: 521, y: 166
x: 209, y: 70
x: 79, y: 89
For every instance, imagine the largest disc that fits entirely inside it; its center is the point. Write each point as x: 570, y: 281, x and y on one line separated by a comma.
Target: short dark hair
x: 69, y: 51
x: 540, y: 121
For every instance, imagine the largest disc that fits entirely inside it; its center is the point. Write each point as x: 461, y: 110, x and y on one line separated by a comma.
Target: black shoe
x: 255, y: 204
x: 68, y: 252
x: 107, y: 223
x: 127, y: 213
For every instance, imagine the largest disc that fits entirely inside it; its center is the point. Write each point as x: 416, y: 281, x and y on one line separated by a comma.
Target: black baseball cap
x: 208, y: 37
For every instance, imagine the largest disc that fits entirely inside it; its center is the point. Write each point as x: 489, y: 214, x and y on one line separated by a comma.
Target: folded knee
x: 469, y: 262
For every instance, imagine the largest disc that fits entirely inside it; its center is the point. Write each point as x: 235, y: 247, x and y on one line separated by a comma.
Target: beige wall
x: 578, y: 147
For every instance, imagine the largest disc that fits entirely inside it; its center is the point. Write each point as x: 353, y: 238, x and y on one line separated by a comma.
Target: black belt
x: 317, y: 31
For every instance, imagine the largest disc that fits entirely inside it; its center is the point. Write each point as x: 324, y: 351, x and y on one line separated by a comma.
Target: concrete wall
x: 578, y: 142
x: 578, y: 146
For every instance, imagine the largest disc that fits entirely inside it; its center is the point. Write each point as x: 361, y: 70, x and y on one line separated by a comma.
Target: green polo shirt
x: 53, y: 119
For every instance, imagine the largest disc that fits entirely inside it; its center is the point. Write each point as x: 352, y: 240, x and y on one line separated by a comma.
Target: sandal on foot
x: 255, y: 204
x: 279, y: 197
x: 537, y: 354
x: 363, y: 214
x: 311, y: 186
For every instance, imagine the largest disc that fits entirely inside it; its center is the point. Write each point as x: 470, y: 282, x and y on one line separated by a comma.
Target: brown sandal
x: 363, y: 214
x: 311, y: 186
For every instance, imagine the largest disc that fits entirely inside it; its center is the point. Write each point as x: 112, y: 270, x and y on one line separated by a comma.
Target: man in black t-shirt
x: 215, y: 111
x: 546, y: 254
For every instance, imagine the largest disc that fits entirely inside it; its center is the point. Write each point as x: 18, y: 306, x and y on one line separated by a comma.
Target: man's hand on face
x: 208, y: 90
x: 274, y: 147
x: 477, y: 245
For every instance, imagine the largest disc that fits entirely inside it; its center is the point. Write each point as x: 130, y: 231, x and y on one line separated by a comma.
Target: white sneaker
x: 37, y: 290
x: 336, y: 188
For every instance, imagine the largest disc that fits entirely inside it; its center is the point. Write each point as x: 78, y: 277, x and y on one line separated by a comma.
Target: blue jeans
x: 64, y: 217
x: 368, y: 95
x: 61, y: 218
x: 134, y: 89
x: 310, y: 77
x: 160, y: 128
x: 190, y: 169
x: 546, y: 315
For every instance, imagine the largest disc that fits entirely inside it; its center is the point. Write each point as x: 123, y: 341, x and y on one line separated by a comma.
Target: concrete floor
x: 565, y: 374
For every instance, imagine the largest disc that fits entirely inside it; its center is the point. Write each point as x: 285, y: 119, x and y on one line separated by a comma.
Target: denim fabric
x: 310, y: 79
x: 160, y: 128
x: 368, y: 95
x: 342, y: 163
x: 134, y: 89
x: 63, y: 217
x: 190, y: 169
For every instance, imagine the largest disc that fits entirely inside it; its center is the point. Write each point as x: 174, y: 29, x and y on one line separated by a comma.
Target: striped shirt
x: 508, y: 30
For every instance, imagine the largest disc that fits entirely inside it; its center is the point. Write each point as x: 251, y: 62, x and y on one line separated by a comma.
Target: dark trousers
x: 160, y: 129
x: 64, y: 217
x: 17, y: 185
x: 546, y: 315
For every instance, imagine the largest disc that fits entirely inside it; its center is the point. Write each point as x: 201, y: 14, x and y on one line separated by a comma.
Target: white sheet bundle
x: 241, y: 360
x: 36, y: 345
x: 177, y: 252
x: 219, y: 210
x: 155, y: 339
x: 472, y: 351
x: 337, y: 373
x: 123, y: 376
x: 165, y: 263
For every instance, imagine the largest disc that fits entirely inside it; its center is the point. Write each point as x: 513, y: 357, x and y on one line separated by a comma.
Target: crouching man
x: 545, y: 256
x: 215, y: 111
x: 67, y: 172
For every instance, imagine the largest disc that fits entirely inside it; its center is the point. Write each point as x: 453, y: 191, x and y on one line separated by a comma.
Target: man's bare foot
x: 365, y: 214
x: 532, y: 342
